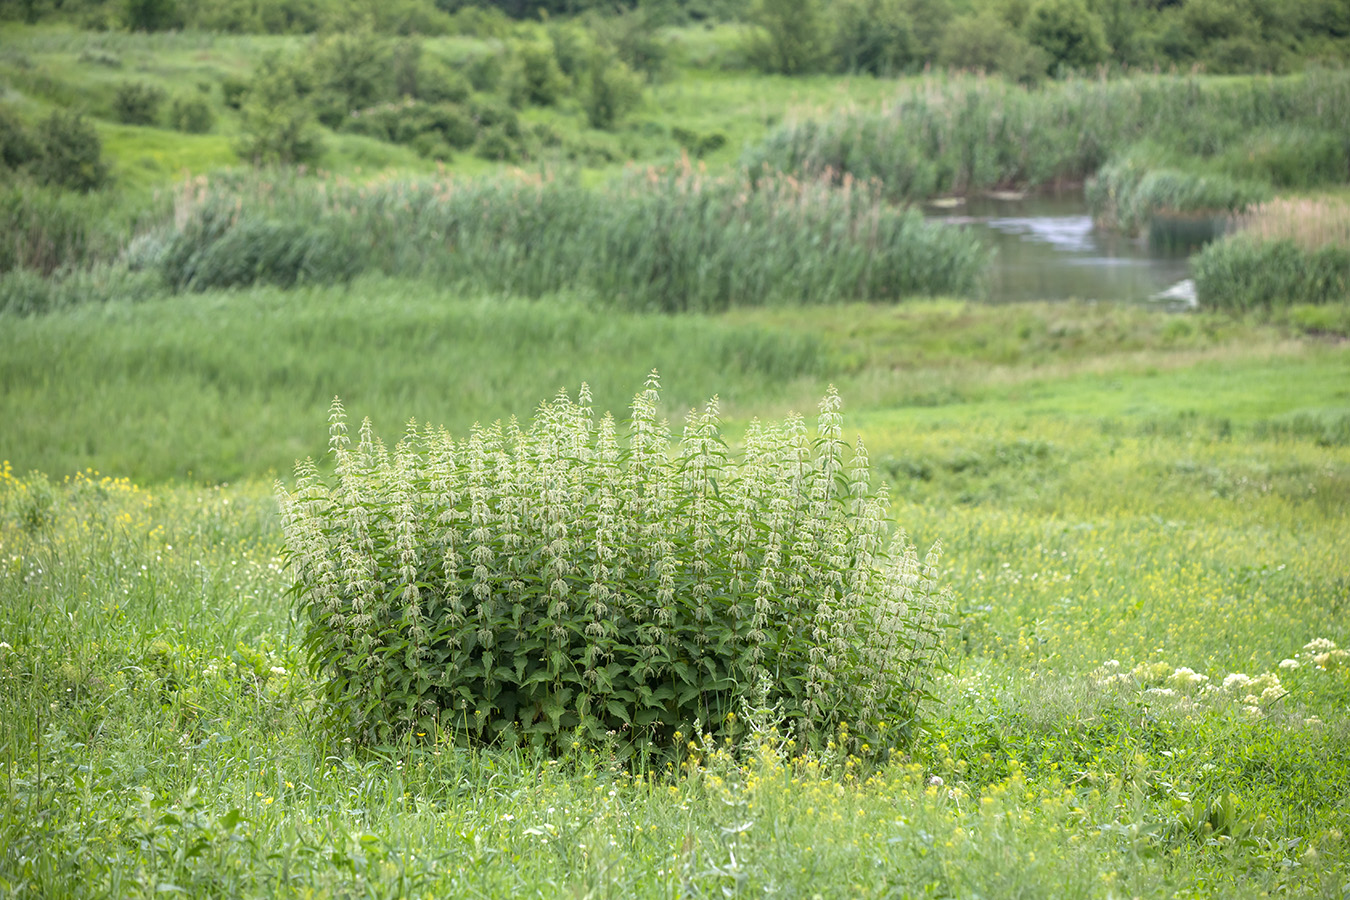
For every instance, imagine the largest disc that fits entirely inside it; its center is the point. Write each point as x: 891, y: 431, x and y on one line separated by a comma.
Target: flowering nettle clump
x: 533, y: 583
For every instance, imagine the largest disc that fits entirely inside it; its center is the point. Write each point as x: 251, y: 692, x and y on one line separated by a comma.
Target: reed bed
x: 1129, y: 193
x: 668, y: 240
x: 1310, y: 222
x: 969, y: 133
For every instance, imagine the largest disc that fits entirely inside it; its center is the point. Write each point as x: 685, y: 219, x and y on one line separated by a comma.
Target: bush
x: 790, y: 36
x: 873, y: 36
x: 542, y: 82
x: 496, y: 145
x: 192, y: 114
x: 1243, y: 272
x: 1068, y: 32
x: 233, y: 91
x: 151, y: 15
x: 349, y: 71
x: 611, y: 91
x: 17, y: 147
x: 137, y: 103
x: 987, y: 43
x: 531, y: 585
x: 276, y: 121
x: 71, y: 153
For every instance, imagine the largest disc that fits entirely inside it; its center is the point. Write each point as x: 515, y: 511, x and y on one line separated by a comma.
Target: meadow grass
x: 1134, y: 554
x: 219, y: 385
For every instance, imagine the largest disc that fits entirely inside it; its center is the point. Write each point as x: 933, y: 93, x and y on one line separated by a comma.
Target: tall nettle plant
x: 532, y: 584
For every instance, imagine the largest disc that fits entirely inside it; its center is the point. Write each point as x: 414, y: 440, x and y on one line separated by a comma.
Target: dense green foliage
x: 968, y: 134
x: 553, y: 584
x: 1217, y: 35
x: 64, y: 150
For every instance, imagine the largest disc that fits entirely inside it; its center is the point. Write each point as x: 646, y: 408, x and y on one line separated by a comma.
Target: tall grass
x: 1131, y: 192
x: 218, y: 386
x: 964, y: 133
x: 46, y: 229
x: 665, y: 240
x: 1287, y: 252
x: 1311, y: 223
x: 661, y: 240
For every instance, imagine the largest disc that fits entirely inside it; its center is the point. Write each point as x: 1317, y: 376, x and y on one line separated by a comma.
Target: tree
x: 873, y: 36
x: 988, y: 43
x: 1071, y: 35
x: 151, y: 15
x: 71, y: 153
x: 276, y: 122
x: 790, y: 38
x: 611, y: 90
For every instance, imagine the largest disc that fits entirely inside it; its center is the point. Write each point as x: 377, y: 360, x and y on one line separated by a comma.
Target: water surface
x: 1048, y: 249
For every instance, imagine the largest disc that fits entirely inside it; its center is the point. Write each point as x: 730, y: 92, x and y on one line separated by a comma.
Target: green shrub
x: 790, y: 37
x: 542, y: 82
x: 71, y: 153
x: 495, y: 145
x: 1242, y: 272
x: 17, y: 146
x: 532, y: 585
x: 276, y: 120
x: 1069, y: 33
x: 137, y: 103
x: 634, y: 37
x: 438, y: 83
x: 192, y: 114
x: 233, y: 90
x: 873, y: 36
x: 151, y: 15
x: 611, y: 91
x: 987, y: 43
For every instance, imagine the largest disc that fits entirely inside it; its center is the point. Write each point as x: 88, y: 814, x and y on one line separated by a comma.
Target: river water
x: 1048, y: 249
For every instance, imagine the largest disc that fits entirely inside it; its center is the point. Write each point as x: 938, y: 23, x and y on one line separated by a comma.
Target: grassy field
x: 1144, y: 519
x: 1144, y: 687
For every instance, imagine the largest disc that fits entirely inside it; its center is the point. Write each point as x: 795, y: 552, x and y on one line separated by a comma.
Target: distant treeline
x: 1024, y: 39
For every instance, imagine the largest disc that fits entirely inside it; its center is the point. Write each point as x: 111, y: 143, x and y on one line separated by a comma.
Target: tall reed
x: 964, y: 133
x: 663, y: 240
